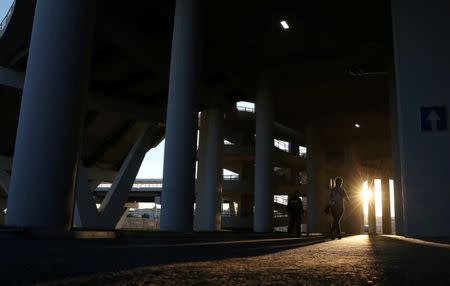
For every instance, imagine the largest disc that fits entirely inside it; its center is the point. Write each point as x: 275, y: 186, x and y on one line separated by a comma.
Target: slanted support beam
x: 112, y: 207
x: 109, y: 142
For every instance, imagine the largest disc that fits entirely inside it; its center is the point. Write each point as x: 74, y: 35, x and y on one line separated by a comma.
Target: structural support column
x: 422, y: 63
x: 181, y: 124
x: 351, y: 221
x: 48, y: 134
x: 317, y: 182
x: 386, y: 205
x: 396, y: 164
x: 210, y: 172
x: 262, y: 219
x: 372, y: 220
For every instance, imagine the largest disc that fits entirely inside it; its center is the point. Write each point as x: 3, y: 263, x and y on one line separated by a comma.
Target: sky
x: 152, y: 166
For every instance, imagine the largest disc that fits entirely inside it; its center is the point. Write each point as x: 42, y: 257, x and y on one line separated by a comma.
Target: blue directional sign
x: 433, y: 118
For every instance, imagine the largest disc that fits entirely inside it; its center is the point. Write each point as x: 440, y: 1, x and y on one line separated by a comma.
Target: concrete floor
x: 201, y: 260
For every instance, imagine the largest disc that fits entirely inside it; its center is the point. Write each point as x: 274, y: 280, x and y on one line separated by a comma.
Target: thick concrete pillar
x: 386, y: 205
x: 371, y: 209
x: 48, y: 134
x: 318, y: 184
x: 210, y: 172
x: 422, y: 62
x: 396, y: 166
x: 181, y: 124
x: 349, y: 171
x: 262, y: 219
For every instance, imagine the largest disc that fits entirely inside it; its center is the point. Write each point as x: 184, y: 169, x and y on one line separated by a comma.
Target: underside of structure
x: 110, y: 82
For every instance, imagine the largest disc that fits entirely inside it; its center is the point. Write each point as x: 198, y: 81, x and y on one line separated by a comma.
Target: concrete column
x: 48, y: 133
x: 318, y: 184
x: 349, y: 171
x: 210, y: 172
x: 422, y: 62
x: 262, y: 219
x: 372, y: 215
x: 386, y: 205
x: 181, y: 124
x: 396, y: 166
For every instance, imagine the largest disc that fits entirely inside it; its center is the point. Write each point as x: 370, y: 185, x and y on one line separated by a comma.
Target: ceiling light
x: 284, y: 24
x: 357, y: 125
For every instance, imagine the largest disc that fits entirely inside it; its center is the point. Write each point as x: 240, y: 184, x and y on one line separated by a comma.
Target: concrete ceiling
x: 334, y: 62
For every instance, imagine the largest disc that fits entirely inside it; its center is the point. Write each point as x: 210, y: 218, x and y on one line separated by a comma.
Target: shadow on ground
x: 26, y: 261
x: 411, y: 262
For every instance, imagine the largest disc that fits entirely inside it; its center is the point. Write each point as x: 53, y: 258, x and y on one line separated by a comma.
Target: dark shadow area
x: 404, y: 262
x: 26, y: 261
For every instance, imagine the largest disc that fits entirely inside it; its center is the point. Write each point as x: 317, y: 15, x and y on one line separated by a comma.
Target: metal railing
x: 277, y: 214
x: 231, y: 177
x: 154, y: 184
x: 5, y: 20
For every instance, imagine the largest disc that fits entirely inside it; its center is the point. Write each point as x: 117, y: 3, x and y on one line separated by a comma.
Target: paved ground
x: 357, y: 260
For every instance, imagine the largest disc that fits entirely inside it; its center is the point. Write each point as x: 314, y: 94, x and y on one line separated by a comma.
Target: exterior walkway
x: 356, y: 260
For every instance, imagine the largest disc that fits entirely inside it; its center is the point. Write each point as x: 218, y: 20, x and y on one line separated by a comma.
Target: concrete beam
x: 93, y: 173
x: 291, y: 133
x: 128, y: 110
x: 96, y: 102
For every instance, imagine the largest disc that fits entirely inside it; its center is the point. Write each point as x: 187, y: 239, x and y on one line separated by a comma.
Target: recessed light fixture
x: 357, y: 125
x: 284, y: 24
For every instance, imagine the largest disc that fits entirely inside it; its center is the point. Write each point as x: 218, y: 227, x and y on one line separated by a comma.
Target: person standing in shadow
x: 295, y: 212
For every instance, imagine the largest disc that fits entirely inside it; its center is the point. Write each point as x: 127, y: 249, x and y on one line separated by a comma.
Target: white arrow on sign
x: 433, y: 118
